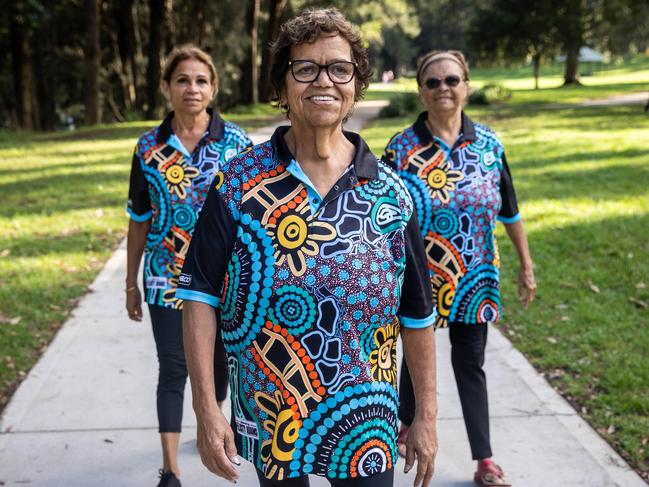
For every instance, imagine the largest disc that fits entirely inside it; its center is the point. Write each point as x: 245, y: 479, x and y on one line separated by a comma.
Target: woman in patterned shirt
x: 173, y: 167
x: 310, y: 248
x: 457, y: 175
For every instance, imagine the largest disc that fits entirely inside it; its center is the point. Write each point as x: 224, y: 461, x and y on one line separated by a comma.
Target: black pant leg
x: 406, y: 396
x: 468, y: 343
x: 221, y: 373
x: 290, y: 482
x: 385, y: 479
x: 172, y: 369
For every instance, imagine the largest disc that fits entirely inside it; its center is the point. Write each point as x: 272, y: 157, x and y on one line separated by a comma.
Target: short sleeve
x: 139, y: 202
x: 509, y: 209
x: 389, y: 157
x: 209, y: 252
x: 416, y: 308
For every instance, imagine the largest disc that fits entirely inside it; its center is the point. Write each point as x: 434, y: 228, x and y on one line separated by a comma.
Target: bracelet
x: 129, y: 289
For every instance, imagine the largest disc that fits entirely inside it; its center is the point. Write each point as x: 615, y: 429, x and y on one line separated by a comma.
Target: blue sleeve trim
x: 511, y: 219
x: 139, y: 218
x: 419, y: 322
x: 189, y: 295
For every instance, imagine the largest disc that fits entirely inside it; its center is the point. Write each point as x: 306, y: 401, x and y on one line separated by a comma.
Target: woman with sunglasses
x: 457, y: 175
x: 310, y: 247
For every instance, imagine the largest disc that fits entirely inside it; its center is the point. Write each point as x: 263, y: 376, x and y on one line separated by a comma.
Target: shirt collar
x: 420, y: 128
x: 215, y: 130
x: 365, y: 163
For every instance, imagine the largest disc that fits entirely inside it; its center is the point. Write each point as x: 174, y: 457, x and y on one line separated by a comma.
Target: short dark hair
x: 307, y: 27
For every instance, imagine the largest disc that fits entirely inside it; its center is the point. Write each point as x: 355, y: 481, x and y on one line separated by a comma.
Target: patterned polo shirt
x: 459, y: 193
x: 309, y: 290
x: 168, y: 185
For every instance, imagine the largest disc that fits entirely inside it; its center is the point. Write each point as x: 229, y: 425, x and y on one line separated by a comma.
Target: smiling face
x: 444, y: 99
x: 190, y: 89
x: 320, y: 103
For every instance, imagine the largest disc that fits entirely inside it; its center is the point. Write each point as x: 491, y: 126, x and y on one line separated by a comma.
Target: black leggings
x: 172, y: 369
x: 468, y: 344
x: 385, y: 479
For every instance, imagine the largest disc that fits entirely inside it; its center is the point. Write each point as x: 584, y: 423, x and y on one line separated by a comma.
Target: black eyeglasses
x: 451, y: 81
x: 340, y: 72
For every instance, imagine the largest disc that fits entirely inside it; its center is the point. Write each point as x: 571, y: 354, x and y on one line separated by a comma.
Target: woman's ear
x: 164, y: 87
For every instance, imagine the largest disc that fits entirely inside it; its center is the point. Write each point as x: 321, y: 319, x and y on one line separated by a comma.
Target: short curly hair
x: 307, y: 27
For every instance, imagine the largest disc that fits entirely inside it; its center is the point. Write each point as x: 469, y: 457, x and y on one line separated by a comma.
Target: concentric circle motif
x: 421, y: 199
x: 477, y: 287
x: 184, y: 217
x: 160, y: 199
x: 437, y: 178
x: 445, y: 223
x: 291, y: 232
x: 351, y: 434
x: 175, y: 174
x: 293, y: 308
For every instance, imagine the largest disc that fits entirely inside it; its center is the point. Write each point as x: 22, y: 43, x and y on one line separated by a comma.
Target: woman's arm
x: 526, y: 279
x: 135, y: 243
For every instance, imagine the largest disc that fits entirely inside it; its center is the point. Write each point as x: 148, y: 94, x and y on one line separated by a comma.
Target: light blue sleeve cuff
x: 189, y: 295
x: 511, y: 219
x: 419, y: 322
x: 139, y: 218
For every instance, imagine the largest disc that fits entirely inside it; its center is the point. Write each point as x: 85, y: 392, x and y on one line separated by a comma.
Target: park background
x: 79, y: 82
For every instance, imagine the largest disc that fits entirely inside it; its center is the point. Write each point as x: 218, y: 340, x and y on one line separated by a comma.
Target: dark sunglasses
x: 450, y: 81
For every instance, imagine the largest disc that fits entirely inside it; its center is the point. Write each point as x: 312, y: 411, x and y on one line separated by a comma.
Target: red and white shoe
x: 489, y: 474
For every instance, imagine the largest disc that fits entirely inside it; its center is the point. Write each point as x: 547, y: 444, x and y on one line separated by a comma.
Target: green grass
x: 582, y: 177
x: 63, y: 214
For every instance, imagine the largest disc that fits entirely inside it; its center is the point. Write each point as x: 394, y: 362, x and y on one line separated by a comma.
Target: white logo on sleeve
x: 247, y: 428
x: 156, y: 282
x: 185, y: 279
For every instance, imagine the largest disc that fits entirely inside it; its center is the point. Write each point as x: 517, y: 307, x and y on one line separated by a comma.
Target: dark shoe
x: 168, y: 479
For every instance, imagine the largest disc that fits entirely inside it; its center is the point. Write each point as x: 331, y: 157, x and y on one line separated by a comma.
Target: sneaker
x: 490, y: 475
x: 168, y: 479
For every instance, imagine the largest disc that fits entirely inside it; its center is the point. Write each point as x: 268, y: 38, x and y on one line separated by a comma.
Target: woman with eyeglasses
x: 457, y: 175
x: 310, y: 247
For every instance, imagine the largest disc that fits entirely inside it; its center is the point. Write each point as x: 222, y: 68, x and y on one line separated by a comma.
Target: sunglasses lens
x: 452, y: 81
x: 433, y: 83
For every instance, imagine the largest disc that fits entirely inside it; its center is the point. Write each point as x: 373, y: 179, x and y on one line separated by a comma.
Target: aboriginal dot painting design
x: 308, y: 311
x: 457, y: 200
x: 177, y: 189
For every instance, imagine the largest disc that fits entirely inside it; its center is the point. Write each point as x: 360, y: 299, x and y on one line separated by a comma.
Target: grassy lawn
x: 63, y: 214
x: 582, y: 177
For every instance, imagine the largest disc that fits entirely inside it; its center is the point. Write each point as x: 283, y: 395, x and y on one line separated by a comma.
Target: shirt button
x: 336, y: 187
x: 315, y: 201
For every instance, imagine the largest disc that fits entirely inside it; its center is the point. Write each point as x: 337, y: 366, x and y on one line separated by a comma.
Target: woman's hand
x: 134, y: 303
x: 422, y: 446
x: 526, y: 286
x: 215, y: 440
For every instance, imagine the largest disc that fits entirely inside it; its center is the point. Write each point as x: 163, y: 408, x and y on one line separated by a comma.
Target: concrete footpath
x: 85, y: 415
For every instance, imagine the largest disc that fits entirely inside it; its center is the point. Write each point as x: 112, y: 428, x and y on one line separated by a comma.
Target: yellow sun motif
x: 441, y: 180
x: 384, y: 358
x: 295, y: 236
x: 179, y: 178
x: 284, y: 429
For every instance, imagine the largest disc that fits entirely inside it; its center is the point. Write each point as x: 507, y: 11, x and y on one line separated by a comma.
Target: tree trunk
x: 156, y: 32
x: 126, y: 43
x: 92, y: 63
x: 21, y: 70
x: 46, y: 68
x: 275, y: 9
x: 572, y: 31
x: 536, y: 62
x: 571, y: 76
x: 250, y: 69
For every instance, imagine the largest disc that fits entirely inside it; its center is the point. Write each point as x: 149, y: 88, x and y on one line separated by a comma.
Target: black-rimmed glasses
x: 340, y: 72
x: 451, y: 81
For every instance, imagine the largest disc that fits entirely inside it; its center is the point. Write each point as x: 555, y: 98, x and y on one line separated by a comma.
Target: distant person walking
x: 310, y: 247
x: 457, y: 175
x: 173, y: 167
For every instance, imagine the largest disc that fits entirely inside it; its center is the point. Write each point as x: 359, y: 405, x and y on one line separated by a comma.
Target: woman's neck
x: 324, y: 153
x: 188, y: 124
x: 446, y: 127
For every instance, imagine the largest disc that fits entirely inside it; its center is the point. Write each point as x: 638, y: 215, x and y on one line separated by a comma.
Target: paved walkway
x: 85, y: 415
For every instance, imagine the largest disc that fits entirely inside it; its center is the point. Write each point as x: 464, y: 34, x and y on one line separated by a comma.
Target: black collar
x: 365, y: 163
x: 215, y: 130
x: 420, y: 128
